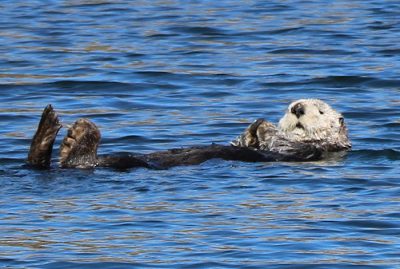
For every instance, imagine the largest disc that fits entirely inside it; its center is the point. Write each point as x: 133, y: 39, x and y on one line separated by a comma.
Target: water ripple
x: 166, y: 74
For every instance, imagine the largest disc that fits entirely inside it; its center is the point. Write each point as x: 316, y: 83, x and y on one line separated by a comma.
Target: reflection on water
x: 164, y: 74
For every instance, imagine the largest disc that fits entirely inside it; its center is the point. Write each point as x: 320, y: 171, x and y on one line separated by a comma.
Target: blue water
x: 159, y: 74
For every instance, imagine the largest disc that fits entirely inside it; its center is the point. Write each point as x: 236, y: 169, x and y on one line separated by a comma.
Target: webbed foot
x: 42, y: 143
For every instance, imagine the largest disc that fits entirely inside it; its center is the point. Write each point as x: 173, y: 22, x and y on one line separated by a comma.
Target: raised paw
x: 42, y: 143
x: 255, y: 134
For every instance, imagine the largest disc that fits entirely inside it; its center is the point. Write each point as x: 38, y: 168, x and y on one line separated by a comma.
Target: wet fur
x: 317, y: 125
x: 308, y: 129
x: 42, y: 143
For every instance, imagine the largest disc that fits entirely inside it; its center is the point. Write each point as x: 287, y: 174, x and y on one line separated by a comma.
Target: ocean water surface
x: 155, y: 75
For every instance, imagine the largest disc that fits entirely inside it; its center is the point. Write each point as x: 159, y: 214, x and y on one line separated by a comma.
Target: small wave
x: 343, y: 81
x: 381, y: 26
x: 4, y: 161
x: 285, y: 30
x: 129, y: 139
x: 390, y: 154
x: 132, y: 55
x: 204, y: 31
x: 106, y: 5
x: 384, y: 83
x: 155, y: 73
x: 97, y: 85
x: 390, y: 124
x: 71, y: 85
x: 11, y: 116
x: 309, y: 51
x: 376, y: 224
x: 12, y: 263
x: 389, y: 52
x: 104, y: 265
x: 332, y: 81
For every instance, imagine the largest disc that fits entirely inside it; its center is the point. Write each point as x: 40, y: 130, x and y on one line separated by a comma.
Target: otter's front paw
x: 249, y: 138
x: 79, y: 147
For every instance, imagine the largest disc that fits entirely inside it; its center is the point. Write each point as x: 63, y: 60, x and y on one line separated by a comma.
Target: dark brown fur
x: 42, y: 143
x: 79, y: 149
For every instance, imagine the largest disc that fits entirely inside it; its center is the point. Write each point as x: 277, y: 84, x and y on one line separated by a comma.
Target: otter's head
x: 314, y: 120
x: 79, y: 147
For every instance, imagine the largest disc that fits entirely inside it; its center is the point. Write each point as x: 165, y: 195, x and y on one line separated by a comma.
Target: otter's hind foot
x: 79, y: 147
x: 42, y: 143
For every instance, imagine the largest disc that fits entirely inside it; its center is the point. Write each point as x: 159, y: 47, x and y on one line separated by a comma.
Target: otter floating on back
x: 308, y: 131
x: 306, y: 121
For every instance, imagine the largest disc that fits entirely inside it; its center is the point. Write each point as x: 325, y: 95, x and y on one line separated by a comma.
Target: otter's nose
x: 298, y: 110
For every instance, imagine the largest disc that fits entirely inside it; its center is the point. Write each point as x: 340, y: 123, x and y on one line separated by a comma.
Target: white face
x: 313, y: 119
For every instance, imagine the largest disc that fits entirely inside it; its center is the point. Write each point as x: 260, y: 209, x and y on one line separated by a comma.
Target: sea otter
x: 308, y: 131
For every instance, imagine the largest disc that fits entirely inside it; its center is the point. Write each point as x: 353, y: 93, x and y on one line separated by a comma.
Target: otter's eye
x: 341, y: 121
x: 321, y: 112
